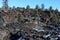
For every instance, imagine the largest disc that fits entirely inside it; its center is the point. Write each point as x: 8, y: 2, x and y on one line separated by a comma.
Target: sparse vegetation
x: 12, y: 18
x: 20, y: 17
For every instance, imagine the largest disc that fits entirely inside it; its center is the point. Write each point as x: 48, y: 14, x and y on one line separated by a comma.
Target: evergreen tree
x: 20, y: 17
x: 42, y: 7
x: 55, y: 19
x: 50, y: 9
x: 56, y: 10
x: 13, y: 7
x: 36, y: 10
x: 27, y: 7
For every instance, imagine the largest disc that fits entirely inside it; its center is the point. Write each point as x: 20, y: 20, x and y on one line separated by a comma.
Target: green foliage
x: 35, y: 15
x: 42, y: 7
x: 50, y: 9
x: 20, y: 17
x: 13, y: 7
x: 55, y: 19
x: 36, y: 11
x: 56, y: 10
x: 37, y: 7
x: 27, y: 7
x: 46, y: 10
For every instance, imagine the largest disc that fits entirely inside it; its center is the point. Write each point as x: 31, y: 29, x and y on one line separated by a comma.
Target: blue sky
x: 23, y: 3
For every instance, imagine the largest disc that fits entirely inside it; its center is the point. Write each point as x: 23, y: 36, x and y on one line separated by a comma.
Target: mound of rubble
x: 28, y: 31
x: 13, y: 28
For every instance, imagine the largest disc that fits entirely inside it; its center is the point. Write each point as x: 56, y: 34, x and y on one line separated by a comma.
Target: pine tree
x: 27, y: 7
x: 55, y: 19
x: 50, y: 9
x: 42, y: 7
x: 36, y: 10
x: 20, y: 17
